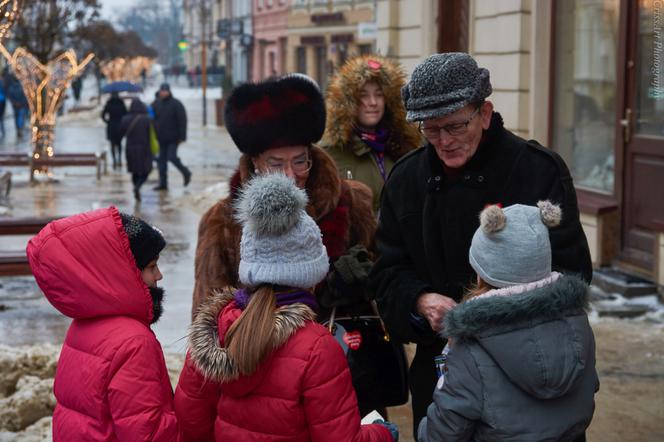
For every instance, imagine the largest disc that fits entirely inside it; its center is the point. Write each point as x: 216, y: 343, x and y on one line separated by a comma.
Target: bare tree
x: 45, y: 27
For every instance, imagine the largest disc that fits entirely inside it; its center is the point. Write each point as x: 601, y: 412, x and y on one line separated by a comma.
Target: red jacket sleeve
x: 329, y: 399
x: 139, y: 393
x: 196, y: 403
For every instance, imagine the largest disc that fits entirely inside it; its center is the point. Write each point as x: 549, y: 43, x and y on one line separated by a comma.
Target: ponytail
x: 250, y: 338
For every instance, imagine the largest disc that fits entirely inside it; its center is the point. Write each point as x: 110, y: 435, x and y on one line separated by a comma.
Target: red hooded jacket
x: 302, y: 392
x: 111, y: 383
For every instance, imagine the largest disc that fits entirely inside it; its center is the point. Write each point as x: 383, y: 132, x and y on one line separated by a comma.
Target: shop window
x: 584, y: 110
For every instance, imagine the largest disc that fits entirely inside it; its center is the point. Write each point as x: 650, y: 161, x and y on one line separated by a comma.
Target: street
x: 630, y: 352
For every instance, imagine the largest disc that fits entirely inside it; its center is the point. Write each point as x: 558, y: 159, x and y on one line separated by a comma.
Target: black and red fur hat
x: 286, y: 111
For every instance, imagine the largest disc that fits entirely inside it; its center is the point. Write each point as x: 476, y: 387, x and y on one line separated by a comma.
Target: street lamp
x: 204, y: 13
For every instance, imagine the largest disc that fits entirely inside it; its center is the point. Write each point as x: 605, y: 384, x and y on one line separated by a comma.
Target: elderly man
x: 432, y: 199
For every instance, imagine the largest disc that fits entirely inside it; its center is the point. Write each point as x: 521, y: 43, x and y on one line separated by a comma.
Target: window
x: 584, y: 110
x: 301, y: 59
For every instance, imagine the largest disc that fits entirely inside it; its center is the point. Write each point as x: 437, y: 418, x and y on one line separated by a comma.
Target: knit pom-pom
x: 551, y: 214
x: 492, y: 219
x: 270, y: 204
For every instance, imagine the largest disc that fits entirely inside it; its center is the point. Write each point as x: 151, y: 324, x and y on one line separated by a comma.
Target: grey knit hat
x: 444, y: 83
x: 280, y: 243
x: 512, y: 246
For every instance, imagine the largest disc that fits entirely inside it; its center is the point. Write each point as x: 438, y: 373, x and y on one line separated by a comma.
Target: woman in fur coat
x: 274, y: 124
x: 522, y: 360
x: 259, y: 367
x: 366, y: 129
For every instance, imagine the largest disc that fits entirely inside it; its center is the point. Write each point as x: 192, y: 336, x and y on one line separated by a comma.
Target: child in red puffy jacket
x: 111, y: 384
x: 259, y: 367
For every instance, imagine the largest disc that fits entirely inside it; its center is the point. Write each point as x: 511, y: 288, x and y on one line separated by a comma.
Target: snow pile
x: 207, y: 198
x: 40, y: 431
x: 26, y: 391
x: 32, y: 401
x: 16, y: 362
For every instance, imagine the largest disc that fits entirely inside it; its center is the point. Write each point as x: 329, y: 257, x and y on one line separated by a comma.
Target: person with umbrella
x: 112, y: 115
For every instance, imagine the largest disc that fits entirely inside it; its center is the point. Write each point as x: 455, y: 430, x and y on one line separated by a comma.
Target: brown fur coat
x: 218, y: 249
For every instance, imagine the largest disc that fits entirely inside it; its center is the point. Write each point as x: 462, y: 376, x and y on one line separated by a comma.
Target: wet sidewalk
x: 25, y: 315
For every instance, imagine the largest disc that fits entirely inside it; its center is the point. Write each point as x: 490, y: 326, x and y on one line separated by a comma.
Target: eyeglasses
x: 432, y: 133
x: 299, y: 166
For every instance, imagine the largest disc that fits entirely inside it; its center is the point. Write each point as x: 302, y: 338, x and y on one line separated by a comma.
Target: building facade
x: 241, y: 39
x: 200, y: 18
x: 322, y: 34
x: 583, y: 77
x: 270, y: 52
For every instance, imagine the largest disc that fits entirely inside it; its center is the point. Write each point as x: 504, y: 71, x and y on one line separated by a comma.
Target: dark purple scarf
x: 377, y: 141
x: 283, y: 298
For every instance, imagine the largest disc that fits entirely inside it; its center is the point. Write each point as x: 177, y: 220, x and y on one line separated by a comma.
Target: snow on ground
x: 26, y: 390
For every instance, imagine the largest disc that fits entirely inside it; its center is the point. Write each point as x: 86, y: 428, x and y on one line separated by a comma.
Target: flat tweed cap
x: 444, y: 83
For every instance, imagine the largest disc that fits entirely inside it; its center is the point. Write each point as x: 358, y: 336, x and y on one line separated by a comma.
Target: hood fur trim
x: 565, y: 294
x: 323, y: 186
x: 205, y: 348
x: 342, y: 98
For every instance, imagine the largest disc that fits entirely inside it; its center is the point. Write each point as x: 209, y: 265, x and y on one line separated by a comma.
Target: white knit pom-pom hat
x: 280, y: 243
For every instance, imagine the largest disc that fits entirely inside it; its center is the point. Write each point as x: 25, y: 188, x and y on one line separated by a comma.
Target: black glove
x: 346, y: 283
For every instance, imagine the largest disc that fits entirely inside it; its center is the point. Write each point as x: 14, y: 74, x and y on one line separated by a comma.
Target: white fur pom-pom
x: 551, y: 214
x: 270, y: 204
x: 492, y: 219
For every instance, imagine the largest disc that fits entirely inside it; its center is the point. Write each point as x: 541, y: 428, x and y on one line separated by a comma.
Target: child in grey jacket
x: 522, y: 363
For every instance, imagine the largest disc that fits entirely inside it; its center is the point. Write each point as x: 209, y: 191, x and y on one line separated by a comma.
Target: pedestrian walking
x: 259, y: 367
x: 431, y: 199
x: 18, y: 101
x: 112, y: 115
x: 135, y: 126
x: 171, y: 125
x: 100, y: 269
x: 3, y: 103
x: 366, y: 130
x: 521, y: 365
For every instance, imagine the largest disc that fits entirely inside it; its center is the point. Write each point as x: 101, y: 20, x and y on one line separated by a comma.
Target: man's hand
x: 433, y: 307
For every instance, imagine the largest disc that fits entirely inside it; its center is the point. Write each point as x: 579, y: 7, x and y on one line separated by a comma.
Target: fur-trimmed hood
x: 343, y: 94
x: 206, y: 342
x: 537, y: 334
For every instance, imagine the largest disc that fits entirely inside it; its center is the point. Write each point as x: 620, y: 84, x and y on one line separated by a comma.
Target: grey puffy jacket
x: 522, y: 367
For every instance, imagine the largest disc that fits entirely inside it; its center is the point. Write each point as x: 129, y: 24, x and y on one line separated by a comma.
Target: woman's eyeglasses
x: 298, y: 166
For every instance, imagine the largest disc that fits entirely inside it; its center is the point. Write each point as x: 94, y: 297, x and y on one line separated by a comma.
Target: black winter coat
x: 136, y: 127
x: 171, y: 120
x: 427, y: 222
x: 112, y: 114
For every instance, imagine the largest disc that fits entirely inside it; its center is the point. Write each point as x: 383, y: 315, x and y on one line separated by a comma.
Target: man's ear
x: 486, y: 111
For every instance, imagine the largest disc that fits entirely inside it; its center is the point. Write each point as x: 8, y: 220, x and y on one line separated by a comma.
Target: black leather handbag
x: 377, y: 365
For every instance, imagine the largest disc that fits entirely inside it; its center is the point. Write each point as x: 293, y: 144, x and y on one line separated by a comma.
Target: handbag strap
x: 374, y: 307
x: 133, y: 123
x: 330, y: 325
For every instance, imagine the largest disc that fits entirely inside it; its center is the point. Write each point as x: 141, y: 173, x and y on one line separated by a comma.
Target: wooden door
x: 643, y: 134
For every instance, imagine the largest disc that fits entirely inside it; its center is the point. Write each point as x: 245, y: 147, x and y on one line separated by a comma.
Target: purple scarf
x: 284, y: 298
x: 377, y: 142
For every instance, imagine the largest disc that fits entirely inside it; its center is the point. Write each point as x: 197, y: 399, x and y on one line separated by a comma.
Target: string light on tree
x: 44, y: 87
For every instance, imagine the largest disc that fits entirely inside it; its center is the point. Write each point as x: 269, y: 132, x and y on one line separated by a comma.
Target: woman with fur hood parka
x: 259, y: 367
x: 274, y: 124
x: 366, y: 130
